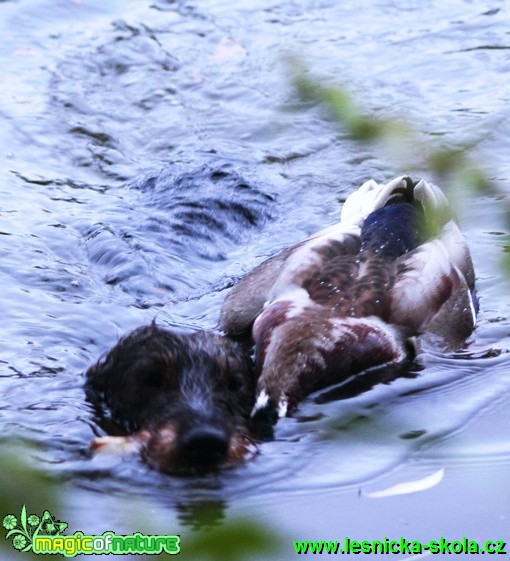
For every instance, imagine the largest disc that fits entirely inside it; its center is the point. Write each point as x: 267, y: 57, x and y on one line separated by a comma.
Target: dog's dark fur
x: 183, y: 399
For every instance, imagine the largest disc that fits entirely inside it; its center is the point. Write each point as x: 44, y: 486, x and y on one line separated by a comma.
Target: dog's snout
x: 204, y: 446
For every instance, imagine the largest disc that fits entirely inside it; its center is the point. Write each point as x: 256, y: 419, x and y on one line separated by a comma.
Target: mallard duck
x: 356, y: 295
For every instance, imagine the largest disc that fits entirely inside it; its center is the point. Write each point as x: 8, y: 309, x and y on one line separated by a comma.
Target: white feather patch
x: 262, y: 401
x: 369, y: 197
x: 282, y: 408
x: 409, y: 486
x: 431, y: 197
x: 472, y: 309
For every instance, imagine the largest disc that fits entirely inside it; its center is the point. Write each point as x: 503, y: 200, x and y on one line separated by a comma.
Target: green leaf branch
x: 396, y: 137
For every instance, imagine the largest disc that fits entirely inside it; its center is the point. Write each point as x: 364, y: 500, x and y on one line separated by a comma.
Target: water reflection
x: 202, y: 515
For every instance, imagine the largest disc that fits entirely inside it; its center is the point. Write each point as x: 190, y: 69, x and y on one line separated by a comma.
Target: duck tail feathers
x: 371, y: 196
x: 422, y: 194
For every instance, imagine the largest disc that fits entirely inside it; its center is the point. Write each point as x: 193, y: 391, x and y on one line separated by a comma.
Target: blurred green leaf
x: 22, y: 483
x: 235, y: 540
x: 406, y: 147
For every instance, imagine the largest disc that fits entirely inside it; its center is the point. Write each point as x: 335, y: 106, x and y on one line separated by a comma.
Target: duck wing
x: 285, y: 274
x: 247, y: 298
x: 434, y: 293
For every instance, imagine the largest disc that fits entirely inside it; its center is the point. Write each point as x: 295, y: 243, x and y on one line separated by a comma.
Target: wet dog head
x: 182, y: 399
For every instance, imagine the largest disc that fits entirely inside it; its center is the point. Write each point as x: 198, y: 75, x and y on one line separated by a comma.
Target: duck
x: 360, y: 295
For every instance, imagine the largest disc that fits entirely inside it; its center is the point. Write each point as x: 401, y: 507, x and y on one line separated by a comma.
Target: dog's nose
x: 204, y: 446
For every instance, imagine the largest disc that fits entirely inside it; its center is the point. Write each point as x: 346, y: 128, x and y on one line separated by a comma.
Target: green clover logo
x: 10, y: 522
x: 33, y: 520
x: 24, y: 532
x: 19, y: 542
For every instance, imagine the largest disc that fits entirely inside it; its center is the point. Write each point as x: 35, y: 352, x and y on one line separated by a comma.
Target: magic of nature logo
x: 43, y: 535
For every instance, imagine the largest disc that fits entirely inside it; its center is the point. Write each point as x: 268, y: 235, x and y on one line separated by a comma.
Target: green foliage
x: 22, y: 483
x: 343, y: 109
x: 395, y: 137
x: 235, y: 540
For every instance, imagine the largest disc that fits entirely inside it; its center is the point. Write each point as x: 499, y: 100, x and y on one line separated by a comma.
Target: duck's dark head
x: 183, y: 399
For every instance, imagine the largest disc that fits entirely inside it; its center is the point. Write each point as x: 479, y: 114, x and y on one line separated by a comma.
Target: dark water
x: 122, y: 120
